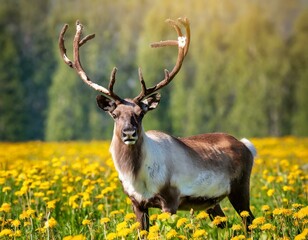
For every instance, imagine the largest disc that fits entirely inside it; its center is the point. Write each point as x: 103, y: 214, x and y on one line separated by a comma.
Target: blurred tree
x: 299, y: 56
x: 257, y: 68
x: 68, y: 111
x: 12, y: 92
x: 37, y: 63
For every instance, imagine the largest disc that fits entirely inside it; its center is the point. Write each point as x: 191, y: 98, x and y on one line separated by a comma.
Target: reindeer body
x: 183, y: 173
x: 159, y: 170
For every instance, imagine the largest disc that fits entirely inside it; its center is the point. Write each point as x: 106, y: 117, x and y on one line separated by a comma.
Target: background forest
x: 246, y: 72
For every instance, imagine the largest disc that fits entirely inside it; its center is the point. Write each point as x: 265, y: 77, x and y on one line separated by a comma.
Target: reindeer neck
x: 127, y: 158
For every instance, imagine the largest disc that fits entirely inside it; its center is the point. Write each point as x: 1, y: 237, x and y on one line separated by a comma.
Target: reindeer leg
x: 142, y: 215
x: 216, y: 211
x: 239, y: 198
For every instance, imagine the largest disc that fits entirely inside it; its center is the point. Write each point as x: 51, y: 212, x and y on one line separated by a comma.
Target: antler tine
x: 183, y: 45
x: 77, y: 43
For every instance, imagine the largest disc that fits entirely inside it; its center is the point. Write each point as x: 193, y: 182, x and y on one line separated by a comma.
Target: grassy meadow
x: 70, y: 190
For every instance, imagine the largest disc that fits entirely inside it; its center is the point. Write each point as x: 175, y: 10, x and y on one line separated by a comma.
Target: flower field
x: 70, y: 190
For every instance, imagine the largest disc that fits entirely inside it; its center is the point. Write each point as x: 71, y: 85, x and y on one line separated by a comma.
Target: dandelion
x: 181, y: 222
x: 267, y: 226
x: 135, y: 226
x: 51, y: 204
x: 124, y: 232
x: 111, y: 236
x: 236, y: 227
x: 6, y: 189
x: 239, y: 237
x: 303, y: 235
x: 199, y: 233
x: 86, y: 222
x: 100, y: 207
x: 302, y: 213
x: 270, y: 192
x: 50, y: 223
x: 163, y: 216
x: 258, y: 221
x: 153, y: 217
x: 104, y: 220
x: 121, y: 225
x: 5, y: 207
x: 202, y: 215
x: 282, y: 211
x: 5, y: 232
x: 171, y: 234
x: 130, y: 216
x: 143, y: 233
x: 244, y: 214
x: 15, y: 223
x: 265, y: 208
x: 218, y: 220
x: 115, y: 212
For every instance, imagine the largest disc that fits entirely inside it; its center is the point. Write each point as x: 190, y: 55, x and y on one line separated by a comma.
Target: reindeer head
x: 128, y: 113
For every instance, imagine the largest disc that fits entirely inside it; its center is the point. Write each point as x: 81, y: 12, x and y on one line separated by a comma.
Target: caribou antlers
x: 182, y: 43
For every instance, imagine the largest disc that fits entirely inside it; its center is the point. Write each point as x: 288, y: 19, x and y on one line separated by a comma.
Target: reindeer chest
x: 149, y: 180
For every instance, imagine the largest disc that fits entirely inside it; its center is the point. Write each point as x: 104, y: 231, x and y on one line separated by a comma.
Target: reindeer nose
x: 129, y: 132
x: 129, y: 135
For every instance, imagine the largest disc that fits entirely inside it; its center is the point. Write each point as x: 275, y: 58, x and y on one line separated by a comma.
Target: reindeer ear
x: 105, y: 103
x: 151, y: 102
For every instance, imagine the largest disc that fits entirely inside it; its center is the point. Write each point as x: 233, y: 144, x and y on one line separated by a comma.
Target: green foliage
x: 245, y: 72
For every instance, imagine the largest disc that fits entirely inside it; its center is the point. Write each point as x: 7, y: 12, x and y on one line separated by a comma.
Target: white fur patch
x: 250, y: 146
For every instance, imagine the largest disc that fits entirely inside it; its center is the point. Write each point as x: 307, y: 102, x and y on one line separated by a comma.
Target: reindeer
x: 162, y: 171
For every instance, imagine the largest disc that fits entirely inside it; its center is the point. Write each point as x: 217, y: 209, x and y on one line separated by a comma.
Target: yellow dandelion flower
x: 199, y: 233
x: 270, y: 192
x: 5, y: 232
x: 182, y: 237
x: 41, y: 230
x: 267, y: 226
x: 135, y: 226
x: 154, y: 228
x: 5, y: 207
x: 115, y: 212
x: 6, y: 189
x: 121, y: 225
x: 100, y: 207
x: 130, y: 216
x: 282, y: 211
x: 124, y: 232
x: 189, y: 226
x: 86, y: 222
x: 153, y: 217
x: 258, y: 221
x: 303, y: 235
x: 51, y: 204
x: 143, y: 233
x: 239, y: 237
x: 171, y: 234
x: 181, y: 222
x: 265, y: 208
x: 50, y: 223
x: 111, y: 236
x: 302, y: 213
x: 15, y: 223
x: 86, y: 204
x: 163, y: 216
x: 252, y: 226
x: 244, y: 214
x: 202, y: 215
x: 218, y: 220
x: 104, y: 220
x: 236, y: 227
